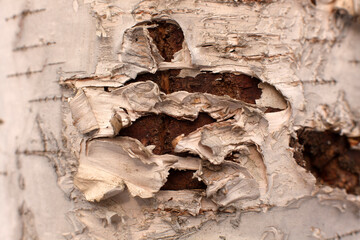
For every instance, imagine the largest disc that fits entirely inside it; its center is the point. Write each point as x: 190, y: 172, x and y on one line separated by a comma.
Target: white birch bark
x: 52, y: 49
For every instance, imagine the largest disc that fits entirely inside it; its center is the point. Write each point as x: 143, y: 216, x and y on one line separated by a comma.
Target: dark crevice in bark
x: 240, y: 87
x: 181, y: 180
x: 270, y: 110
x: 161, y: 130
x: 329, y: 156
x: 168, y: 38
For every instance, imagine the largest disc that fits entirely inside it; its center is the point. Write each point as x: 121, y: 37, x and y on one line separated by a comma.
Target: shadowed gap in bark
x: 180, y: 180
x: 161, y: 130
x: 168, y: 38
x: 240, y: 87
x: 329, y: 157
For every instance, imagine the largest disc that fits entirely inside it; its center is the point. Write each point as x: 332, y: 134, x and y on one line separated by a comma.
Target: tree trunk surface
x: 156, y: 119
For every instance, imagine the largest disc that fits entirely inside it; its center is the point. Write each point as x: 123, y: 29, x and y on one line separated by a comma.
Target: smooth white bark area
x: 308, y: 54
x: 304, y: 220
x: 30, y: 179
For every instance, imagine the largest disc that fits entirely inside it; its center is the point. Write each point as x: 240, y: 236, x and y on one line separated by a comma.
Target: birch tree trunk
x: 181, y: 119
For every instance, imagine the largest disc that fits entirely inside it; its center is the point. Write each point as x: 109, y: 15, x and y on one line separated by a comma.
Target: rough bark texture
x: 180, y: 119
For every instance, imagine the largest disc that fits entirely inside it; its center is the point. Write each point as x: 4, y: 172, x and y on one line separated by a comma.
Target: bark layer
x: 73, y: 73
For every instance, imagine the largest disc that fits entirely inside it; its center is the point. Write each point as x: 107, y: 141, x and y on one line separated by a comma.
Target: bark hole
x: 240, y: 87
x: 330, y: 157
x: 168, y: 38
x: 181, y: 180
x: 271, y: 109
x: 233, y: 156
x: 161, y: 130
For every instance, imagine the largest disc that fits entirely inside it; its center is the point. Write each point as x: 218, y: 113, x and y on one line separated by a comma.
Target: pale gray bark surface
x: 308, y: 53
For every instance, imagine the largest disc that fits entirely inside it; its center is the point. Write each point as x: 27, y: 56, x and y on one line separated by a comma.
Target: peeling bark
x: 180, y: 120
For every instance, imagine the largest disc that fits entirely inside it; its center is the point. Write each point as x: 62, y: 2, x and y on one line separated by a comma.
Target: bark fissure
x: 330, y: 157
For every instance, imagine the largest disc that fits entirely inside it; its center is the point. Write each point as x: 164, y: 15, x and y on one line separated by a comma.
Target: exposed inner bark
x: 168, y: 38
x: 270, y: 110
x: 330, y: 158
x: 240, y: 87
x: 161, y: 130
x: 232, y: 156
x: 180, y: 180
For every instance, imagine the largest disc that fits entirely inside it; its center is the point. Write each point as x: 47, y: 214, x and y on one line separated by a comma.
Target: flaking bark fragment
x: 141, y: 98
x: 108, y: 165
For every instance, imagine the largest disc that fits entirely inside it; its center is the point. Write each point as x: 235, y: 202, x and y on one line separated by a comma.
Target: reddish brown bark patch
x: 180, y: 180
x: 161, y: 130
x: 168, y: 38
x: 270, y: 110
x: 329, y: 157
x: 237, y: 86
